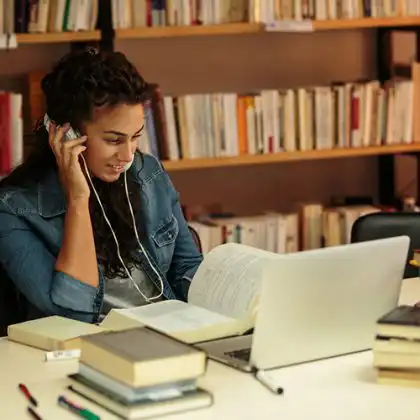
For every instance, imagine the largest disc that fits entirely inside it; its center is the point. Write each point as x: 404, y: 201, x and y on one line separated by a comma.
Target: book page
x: 228, y: 279
x: 170, y: 316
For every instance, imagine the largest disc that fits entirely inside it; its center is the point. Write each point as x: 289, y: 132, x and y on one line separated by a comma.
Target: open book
x: 222, y: 299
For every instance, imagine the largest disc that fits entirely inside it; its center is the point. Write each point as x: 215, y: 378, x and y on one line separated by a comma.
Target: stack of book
x: 396, y: 351
x: 139, y: 373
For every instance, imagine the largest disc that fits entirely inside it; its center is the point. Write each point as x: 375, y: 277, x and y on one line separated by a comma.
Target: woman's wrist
x: 79, y: 204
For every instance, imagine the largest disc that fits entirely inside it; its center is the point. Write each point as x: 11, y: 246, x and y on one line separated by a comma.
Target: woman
x: 79, y: 234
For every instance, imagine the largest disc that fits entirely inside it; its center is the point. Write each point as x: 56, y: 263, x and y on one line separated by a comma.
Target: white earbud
x: 127, y: 166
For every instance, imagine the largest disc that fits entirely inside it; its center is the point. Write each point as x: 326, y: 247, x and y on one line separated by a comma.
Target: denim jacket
x: 31, y: 230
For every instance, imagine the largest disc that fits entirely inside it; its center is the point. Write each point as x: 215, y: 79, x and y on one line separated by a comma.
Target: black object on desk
x: 34, y: 414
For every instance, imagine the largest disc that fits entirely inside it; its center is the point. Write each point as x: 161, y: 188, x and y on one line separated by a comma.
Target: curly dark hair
x: 77, y: 84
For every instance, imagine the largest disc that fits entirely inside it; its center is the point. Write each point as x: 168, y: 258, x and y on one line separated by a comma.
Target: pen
x: 28, y: 395
x: 82, y: 412
x: 268, y: 382
x: 34, y: 414
x: 86, y: 397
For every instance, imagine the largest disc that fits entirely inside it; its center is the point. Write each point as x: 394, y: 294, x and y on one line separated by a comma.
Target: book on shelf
x: 22, y: 16
x: 344, y: 115
x: 11, y: 131
x: 212, y: 125
x: 143, y: 13
x: 275, y: 10
x: 58, y: 16
x: 311, y: 226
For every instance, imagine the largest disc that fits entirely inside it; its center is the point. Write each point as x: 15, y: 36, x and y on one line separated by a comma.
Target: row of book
x: 343, y: 115
x: 346, y: 115
x: 312, y: 226
x: 22, y: 16
x: 277, y: 10
x: 144, y: 13
x: 11, y: 131
x: 40, y: 16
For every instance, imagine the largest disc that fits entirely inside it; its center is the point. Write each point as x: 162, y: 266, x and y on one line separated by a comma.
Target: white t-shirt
x: 121, y: 293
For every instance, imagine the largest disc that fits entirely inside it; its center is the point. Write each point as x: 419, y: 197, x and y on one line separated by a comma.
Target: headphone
x: 72, y: 134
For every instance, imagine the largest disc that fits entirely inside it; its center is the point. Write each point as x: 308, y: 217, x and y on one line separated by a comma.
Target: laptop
x: 318, y: 304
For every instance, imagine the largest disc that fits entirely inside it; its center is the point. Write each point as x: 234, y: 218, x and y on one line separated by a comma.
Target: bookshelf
x: 214, y: 30
x: 147, y: 42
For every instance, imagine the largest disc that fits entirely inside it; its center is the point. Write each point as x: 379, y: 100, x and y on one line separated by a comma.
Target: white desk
x: 341, y: 388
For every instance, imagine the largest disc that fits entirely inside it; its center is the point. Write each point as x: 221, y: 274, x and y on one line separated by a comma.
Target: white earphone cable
x: 148, y: 299
x: 138, y: 239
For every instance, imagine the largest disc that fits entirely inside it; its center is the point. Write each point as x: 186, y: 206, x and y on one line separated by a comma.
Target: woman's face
x: 112, y: 138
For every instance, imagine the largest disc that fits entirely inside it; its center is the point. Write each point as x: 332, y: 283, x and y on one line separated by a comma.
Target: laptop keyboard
x: 242, y: 354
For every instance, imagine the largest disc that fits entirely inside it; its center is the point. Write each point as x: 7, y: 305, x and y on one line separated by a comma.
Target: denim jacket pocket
x: 164, y: 239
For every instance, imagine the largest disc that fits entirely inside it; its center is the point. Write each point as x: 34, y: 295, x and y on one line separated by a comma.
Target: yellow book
x: 51, y: 333
x: 415, y: 261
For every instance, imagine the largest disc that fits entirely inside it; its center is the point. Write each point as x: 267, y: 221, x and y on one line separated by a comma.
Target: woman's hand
x: 67, y: 154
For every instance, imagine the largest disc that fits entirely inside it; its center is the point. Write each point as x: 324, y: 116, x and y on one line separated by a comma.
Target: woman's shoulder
x: 148, y: 168
x: 28, y: 196
x: 154, y: 180
x: 13, y: 198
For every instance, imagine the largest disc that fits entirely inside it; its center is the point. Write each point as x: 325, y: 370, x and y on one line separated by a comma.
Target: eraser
x: 52, y: 356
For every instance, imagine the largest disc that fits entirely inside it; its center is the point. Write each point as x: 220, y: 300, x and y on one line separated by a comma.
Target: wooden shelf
x: 209, y: 30
x: 194, y: 30
x: 55, y: 37
x: 323, y: 25
x: 253, y: 28
x: 189, y: 164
